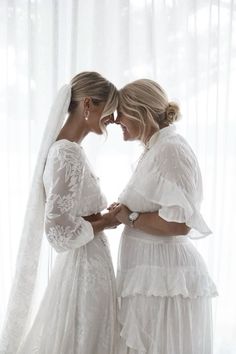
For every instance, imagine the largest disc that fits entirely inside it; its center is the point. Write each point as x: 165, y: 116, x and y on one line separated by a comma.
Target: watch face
x: 133, y: 216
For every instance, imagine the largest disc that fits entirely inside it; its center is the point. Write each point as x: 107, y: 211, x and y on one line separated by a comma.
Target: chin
x: 98, y: 131
x: 127, y: 137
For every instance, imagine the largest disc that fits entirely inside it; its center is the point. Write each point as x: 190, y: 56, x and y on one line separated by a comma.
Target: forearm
x: 98, y: 225
x: 97, y: 221
x: 64, y: 234
x: 152, y: 223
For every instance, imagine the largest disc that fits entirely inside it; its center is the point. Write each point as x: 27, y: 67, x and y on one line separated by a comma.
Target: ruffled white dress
x: 78, y: 312
x: 164, y: 289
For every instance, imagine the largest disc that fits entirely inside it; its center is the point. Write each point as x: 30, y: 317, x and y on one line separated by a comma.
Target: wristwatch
x: 133, y: 217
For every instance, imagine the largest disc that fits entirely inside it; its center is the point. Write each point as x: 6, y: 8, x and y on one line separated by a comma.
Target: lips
x: 123, y: 127
x: 106, y: 122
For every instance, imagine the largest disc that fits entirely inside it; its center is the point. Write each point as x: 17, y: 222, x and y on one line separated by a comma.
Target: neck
x: 75, y: 129
x: 149, y: 134
x: 152, y: 131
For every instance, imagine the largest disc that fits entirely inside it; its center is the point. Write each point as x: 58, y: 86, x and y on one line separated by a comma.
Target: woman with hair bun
x: 164, y: 289
x: 77, y: 314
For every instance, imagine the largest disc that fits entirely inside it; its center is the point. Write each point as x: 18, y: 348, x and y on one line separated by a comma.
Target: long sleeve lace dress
x: 78, y: 312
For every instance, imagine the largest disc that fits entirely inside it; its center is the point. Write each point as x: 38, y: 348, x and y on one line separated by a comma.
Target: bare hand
x: 113, y: 206
x: 93, y: 217
x: 110, y: 219
x: 123, y: 214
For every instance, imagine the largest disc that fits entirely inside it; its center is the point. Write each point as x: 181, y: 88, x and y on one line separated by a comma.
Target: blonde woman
x: 164, y: 289
x: 78, y: 311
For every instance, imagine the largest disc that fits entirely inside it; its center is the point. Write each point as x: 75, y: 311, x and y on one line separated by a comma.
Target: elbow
x: 178, y: 229
x: 183, y: 229
x: 186, y: 230
x: 50, y: 230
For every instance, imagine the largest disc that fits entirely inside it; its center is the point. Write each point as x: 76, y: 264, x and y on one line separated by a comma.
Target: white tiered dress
x: 78, y: 312
x: 164, y: 289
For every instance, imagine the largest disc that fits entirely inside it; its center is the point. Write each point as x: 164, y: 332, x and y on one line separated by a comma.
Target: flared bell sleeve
x: 169, y: 180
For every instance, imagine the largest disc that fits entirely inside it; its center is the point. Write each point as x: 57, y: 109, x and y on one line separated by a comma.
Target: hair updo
x: 92, y: 84
x: 172, y: 112
x: 145, y: 101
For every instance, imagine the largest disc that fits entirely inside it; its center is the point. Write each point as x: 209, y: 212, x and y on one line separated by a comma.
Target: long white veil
x: 21, y: 301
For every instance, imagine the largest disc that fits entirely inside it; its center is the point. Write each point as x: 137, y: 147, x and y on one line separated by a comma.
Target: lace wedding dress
x: 164, y: 288
x: 78, y: 312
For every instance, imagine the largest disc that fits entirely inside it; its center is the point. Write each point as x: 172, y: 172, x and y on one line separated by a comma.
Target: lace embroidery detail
x: 64, y: 227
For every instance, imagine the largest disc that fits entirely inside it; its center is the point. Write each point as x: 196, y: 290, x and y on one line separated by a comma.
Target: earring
x: 86, y: 115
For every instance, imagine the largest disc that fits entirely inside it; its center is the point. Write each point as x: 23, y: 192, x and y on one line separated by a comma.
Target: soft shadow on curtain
x: 189, y: 47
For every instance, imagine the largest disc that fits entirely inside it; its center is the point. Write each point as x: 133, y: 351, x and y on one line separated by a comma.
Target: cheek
x: 133, y: 127
x: 95, y: 119
x: 96, y: 114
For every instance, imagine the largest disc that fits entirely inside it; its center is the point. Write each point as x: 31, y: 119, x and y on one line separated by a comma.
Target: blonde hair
x: 145, y: 101
x: 92, y: 84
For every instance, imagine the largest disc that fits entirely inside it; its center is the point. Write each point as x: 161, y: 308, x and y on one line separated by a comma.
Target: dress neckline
x: 162, y: 133
x: 68, y: 141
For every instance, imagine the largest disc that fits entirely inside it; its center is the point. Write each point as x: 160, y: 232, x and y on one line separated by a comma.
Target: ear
x: 87, y: 103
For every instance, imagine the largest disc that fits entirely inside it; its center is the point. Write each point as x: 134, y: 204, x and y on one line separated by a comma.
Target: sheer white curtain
x: 189, y: 47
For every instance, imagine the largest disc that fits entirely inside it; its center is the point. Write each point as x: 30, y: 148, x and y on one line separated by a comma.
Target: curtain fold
x: 189, y: 47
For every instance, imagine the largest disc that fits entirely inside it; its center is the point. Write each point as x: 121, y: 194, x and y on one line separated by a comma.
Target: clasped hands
x: 120, y: 213
x: 117, y: 214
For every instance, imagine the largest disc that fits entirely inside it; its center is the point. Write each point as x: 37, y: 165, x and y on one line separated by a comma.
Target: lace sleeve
x: 64, y: 228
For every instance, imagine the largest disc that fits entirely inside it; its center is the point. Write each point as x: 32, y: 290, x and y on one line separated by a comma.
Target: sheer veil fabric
x: 21, y: 300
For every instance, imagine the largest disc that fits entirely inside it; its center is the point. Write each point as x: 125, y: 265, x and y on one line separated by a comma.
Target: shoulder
x: 66, y: 152
x: 174, y: 160
x: 177, y: 149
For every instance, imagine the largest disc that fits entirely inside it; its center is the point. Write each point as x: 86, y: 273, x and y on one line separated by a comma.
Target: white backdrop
x: 188, y: 46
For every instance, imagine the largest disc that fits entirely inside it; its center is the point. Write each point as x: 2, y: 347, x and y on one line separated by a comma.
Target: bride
x: 78, y: 310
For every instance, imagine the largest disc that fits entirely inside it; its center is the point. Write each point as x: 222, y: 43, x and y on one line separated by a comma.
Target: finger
x: 113, y: 205
x: 118, y: 205
x: 116, y: 210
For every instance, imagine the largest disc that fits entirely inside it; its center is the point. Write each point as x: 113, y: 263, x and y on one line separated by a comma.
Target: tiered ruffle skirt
x: 164, y: 294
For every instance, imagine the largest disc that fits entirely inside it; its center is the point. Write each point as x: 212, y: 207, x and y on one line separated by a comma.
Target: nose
x: 109, y: 119
x: 112, y: 120
x: 117, y: 121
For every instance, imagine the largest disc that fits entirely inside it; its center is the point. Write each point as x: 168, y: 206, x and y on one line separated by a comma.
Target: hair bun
x: 172, y: 112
